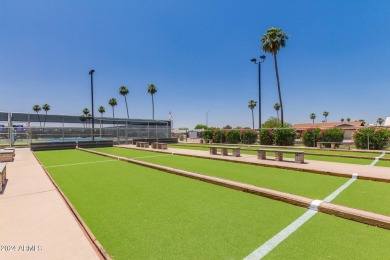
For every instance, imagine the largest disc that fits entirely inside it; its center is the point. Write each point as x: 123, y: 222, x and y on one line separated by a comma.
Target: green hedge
x: 218, y: 136
x: 266, y: 137
x: 207, y: 134
x: 377, y: 137
x: 311, y: 136
x: 284, y: 136
x: 233, y: 136
x: 332, y: 135
x: 248, y: 136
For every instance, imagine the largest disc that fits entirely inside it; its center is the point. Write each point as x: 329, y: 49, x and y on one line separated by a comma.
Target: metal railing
x: 24, y: 136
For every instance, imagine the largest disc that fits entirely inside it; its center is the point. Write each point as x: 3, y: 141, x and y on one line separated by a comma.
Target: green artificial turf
x: 383, y: 163
x: 329, y: 237
x: 310, y: 185
x: 140, y: 213
x: 366, y: 195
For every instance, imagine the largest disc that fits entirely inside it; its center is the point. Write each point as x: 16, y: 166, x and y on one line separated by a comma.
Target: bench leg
x: 299, y: 158
x: 236, y: 152
x: 213, y: 150
x: 224, y: 151
x: 347, y: 146
x: 333, y: 146
x: 318, y: 145
x: 278, y: 156
x: 261, y: 155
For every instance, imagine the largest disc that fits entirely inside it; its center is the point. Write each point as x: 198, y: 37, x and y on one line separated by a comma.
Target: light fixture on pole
x: 262, y: 58
x: 93, y: 122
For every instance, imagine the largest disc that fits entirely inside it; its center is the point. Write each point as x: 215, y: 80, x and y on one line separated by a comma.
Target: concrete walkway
x: 331, y: 168
x: 35, y: 221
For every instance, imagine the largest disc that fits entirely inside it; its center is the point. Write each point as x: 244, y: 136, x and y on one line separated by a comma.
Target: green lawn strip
x: 383, y: 163
x: 141, y: 213
x: 295, y: 182
x: 328, y: 237
x: 368, y: 195
x: 308, y: 157
x: 310, y: 185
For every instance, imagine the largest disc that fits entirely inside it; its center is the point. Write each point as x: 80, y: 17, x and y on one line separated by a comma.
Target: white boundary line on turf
x: 267, y: 247
x: 377, y: 159
x: 72, y: 164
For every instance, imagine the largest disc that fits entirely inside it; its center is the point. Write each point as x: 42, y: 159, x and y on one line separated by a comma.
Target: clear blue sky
x: 197, y: 53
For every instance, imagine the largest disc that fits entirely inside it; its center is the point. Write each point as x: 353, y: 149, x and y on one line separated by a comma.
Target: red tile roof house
x: 347, y: 127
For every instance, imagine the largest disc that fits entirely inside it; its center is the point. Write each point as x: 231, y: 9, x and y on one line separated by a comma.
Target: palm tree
x: 277, y: 107
x: 348, y: 119
x: 380, y: 121
x: 36, y: 109
x: 342, y: 119
x: 112, y: 102
x: 83, y: 119
x: 124, y: 91
x: 86, y: 112
x: 152, y: 90
x: 252, y: 104
x: 101, y: 110
x: 312, y: 117
x: 45, y: 107
x: 272, y: 41
x: 326, y: 114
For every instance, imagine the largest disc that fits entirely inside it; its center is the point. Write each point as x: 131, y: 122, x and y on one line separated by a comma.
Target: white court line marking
x: 264, y: 249
x: 72, y: 164
x: 377, y: 159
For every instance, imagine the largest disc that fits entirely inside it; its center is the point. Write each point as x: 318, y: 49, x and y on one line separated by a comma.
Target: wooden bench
x: 6, y: 156
x: 224, y: 150
x: 299, y: 155
x: 347, y: 146
x: 162, y: 146
x: 142, y: 144
x: 3, y: 176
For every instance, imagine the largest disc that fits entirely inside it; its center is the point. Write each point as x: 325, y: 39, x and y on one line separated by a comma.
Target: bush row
x: 231, y: 136
x: 278, y: 136
x: 377, y: 138
x: 311, y: 136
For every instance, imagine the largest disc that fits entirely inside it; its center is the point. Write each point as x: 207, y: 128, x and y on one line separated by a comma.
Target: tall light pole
x: 262, y: 58
x: 207, y: 118
x: 93, y: 122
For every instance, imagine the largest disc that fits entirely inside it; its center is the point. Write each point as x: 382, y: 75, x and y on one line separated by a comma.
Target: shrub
x: 332, y: 135
x: 377, y: 137
x: 266, y: 137
x: 219, y: 136
x: 233, y: 136
x: 248, y: 136
x: 207, y: 134
x: 311, y: 136
x: 284, y: 136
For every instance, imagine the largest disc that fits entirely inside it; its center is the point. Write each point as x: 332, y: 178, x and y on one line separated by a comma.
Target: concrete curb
x: 98, y: 247
x: 362, y: 216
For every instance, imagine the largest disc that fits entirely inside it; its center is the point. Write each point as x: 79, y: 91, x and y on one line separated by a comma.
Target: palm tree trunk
x: 127, y: 109
x: 40, y: 124
x: 280, y: 95
x: 44, y: 123
x: 253, y: 120
x: 153, y: 106
x: 113, y: 115
x: 277, y: 114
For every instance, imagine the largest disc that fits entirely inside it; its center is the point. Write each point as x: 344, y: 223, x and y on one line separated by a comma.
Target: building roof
x: 329, y: 125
